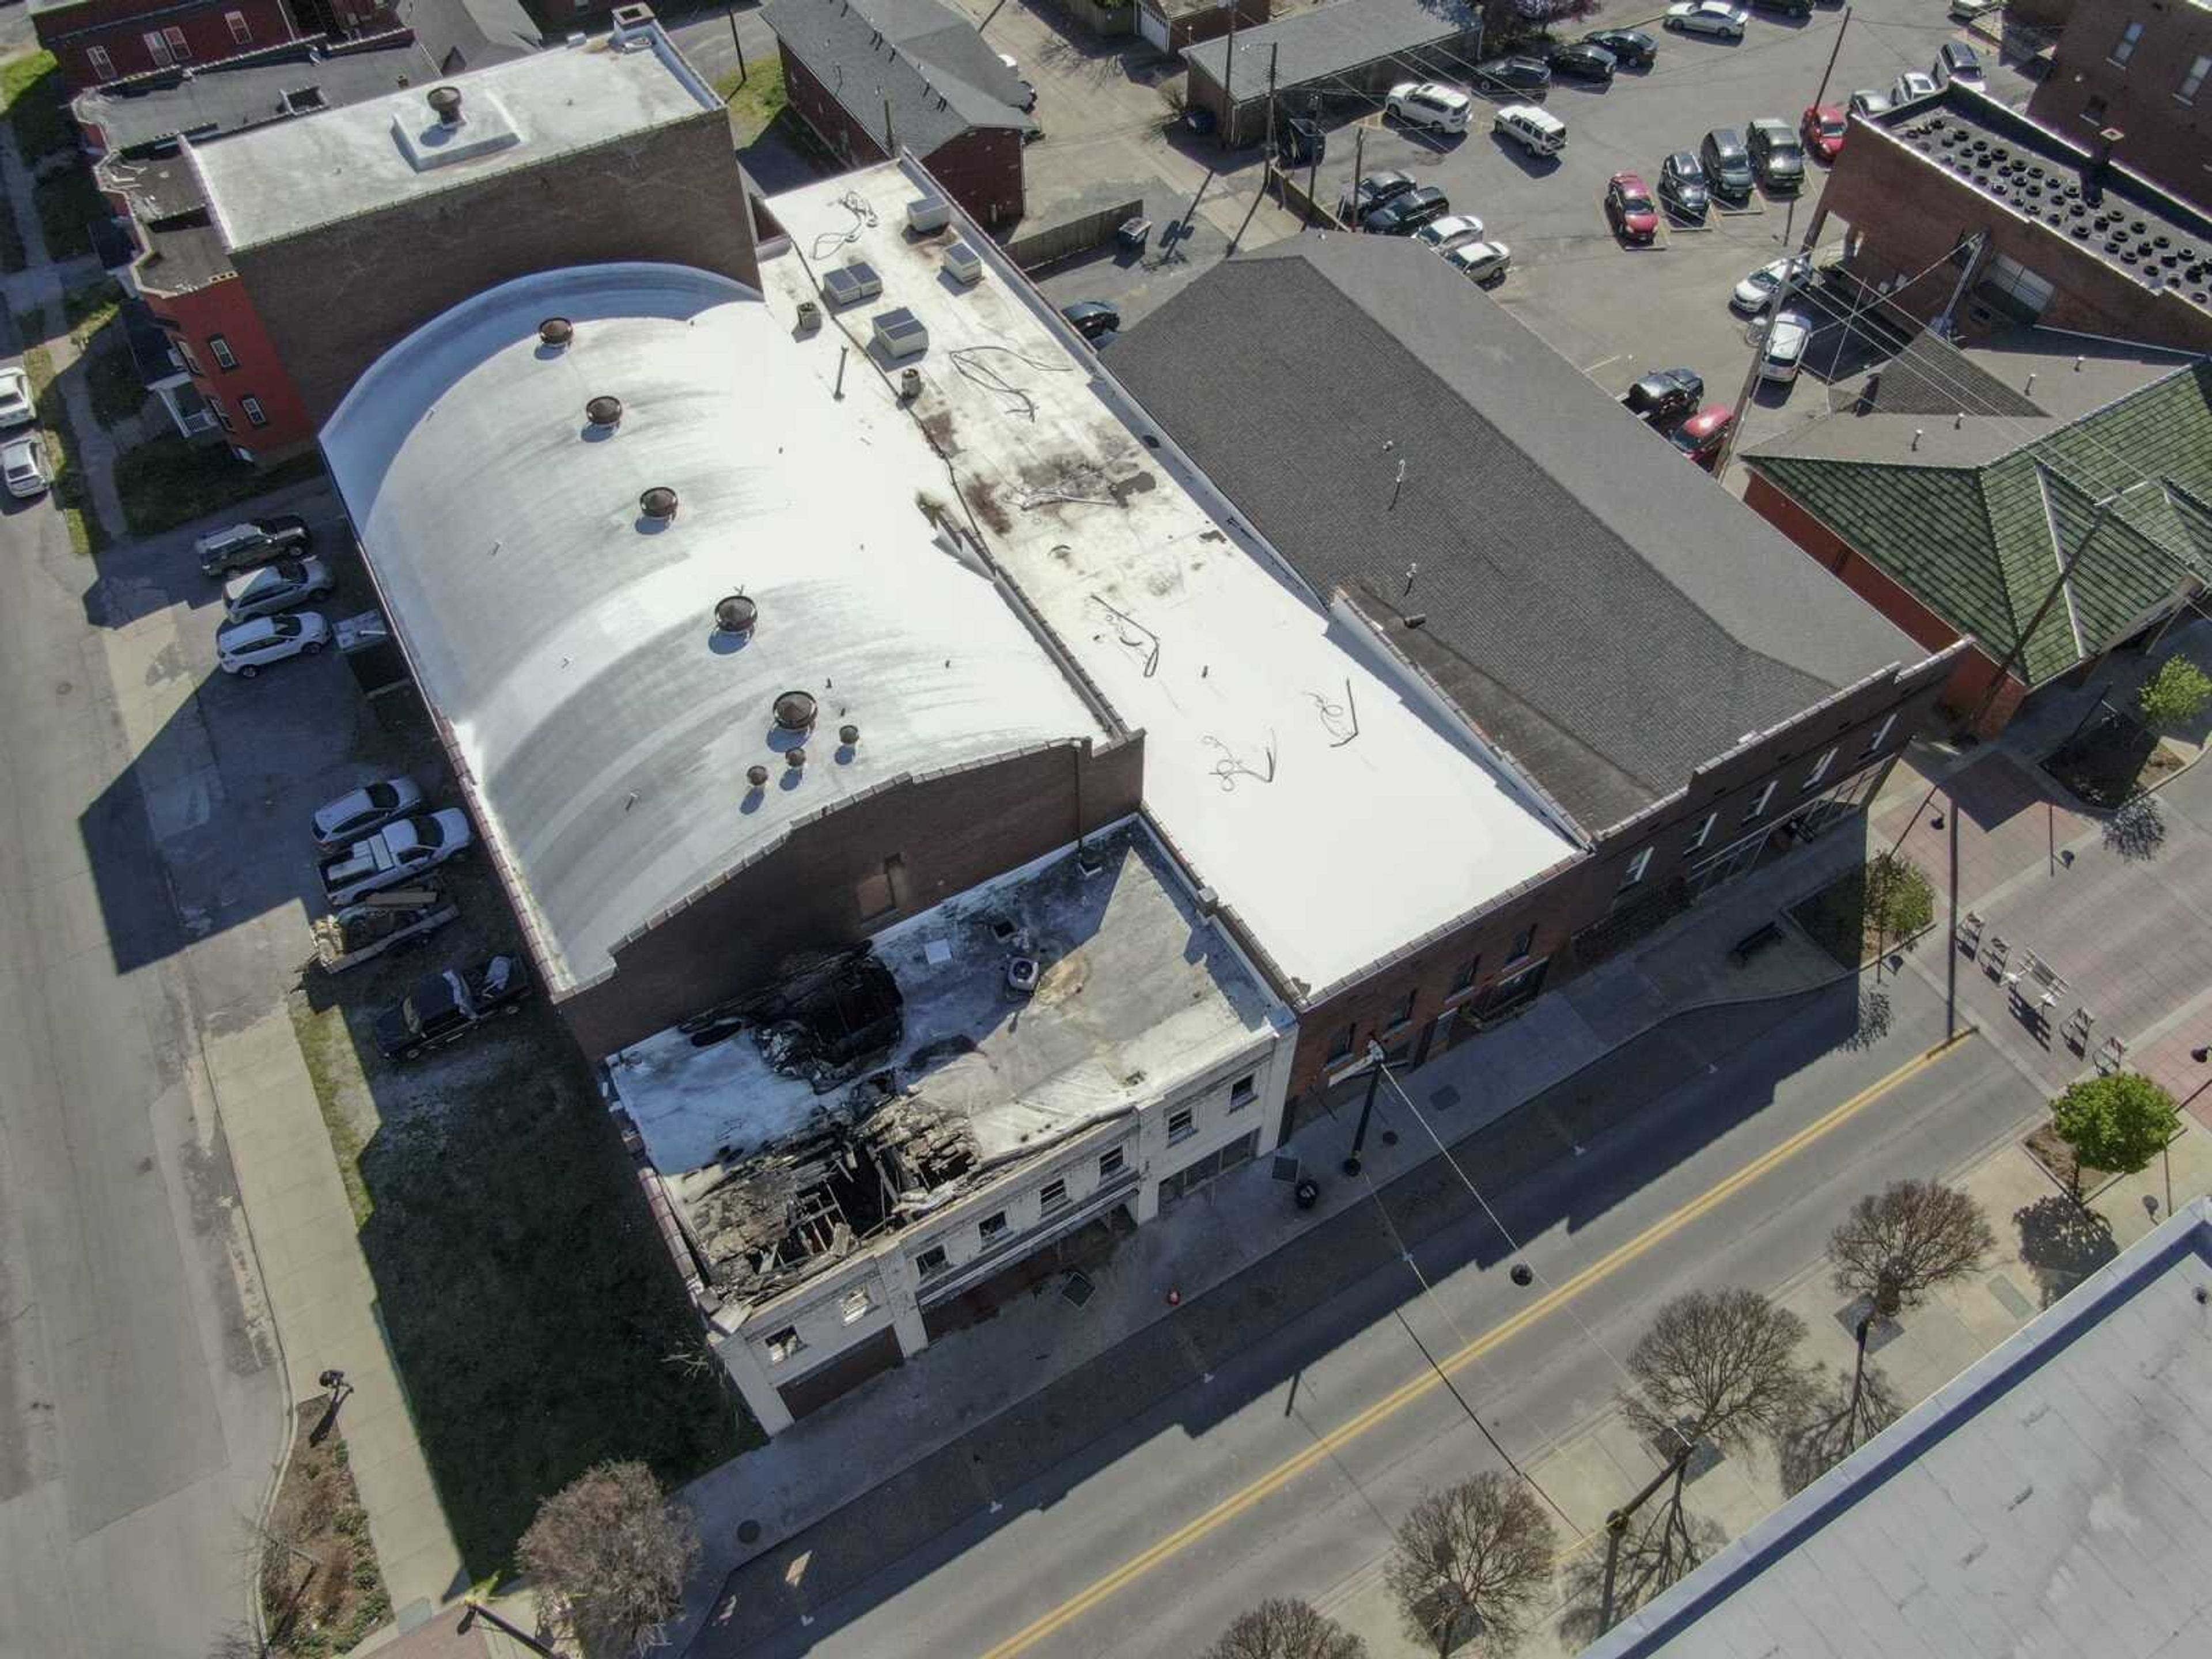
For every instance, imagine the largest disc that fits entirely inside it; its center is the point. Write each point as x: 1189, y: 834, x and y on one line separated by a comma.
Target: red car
x: 1823, y: 130
x: 1629, y: 205
x: 1703, y: 434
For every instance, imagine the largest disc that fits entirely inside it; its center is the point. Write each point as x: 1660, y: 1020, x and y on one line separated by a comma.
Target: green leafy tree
x: 2117, y: 1124
x: 1899, y: 899
x: 2175, y: 696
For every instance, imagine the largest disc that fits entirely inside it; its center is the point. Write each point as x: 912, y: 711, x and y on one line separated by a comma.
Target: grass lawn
x: 168, y: 480
x: 755, y: 99
x: 1876, y: 907
x: 322, y: 1590
x: 69, y: 490
x: 31, y: 92
x: 111, y: 376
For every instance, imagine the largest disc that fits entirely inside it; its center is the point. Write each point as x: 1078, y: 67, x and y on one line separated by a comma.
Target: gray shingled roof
x: 231, y: 98
x: 466, y: 34
x: 941, y: 78
x: 1597, y: 605
x: 1931, y: 376
x: 1330, y: 39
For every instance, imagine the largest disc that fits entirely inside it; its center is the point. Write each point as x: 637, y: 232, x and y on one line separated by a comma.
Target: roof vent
x: 604, y: 411
x: 557, y: 331
x: 794, y: 758
x: 848, y: 735
x: 657, y: 503
x: 756, y: 775
x: 736, y: 615
x: 794, y: 711
x: 446, y: 103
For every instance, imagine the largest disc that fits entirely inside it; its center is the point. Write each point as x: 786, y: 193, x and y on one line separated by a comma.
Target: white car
x: 1785, y: 347
x: 15, y: 407
x: 1973, y: 11
x: 23, y: 462
x: 340, y: 823
x: 1868, y: 103
x: 1753, y: 291
x: 275, y: 587
x: 1715, y: 17
x: 1436, y: 105
x: 403, y: 849
x: 1453, y: 230
x: 1911, y: 85
x: 245, y: 648
x: 1481, y: 263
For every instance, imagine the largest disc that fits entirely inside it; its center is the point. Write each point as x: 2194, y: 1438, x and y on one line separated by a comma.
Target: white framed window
x: 241, y: 32
x: 993, y: 1227
x: 1110, y: 1164
x: 157, y: 48
x: 1881, y: 733
x: 1637, y: 866
x: 853, y: 1306
x: 2187, y: 92
x: 179, y: 48
x: 1052, y: 1195
x: 218, y: 349
x: 1244, y: 1090
x: 254, y: 413
x: 1760, y: 801
x: 1820, y: 770
x: 191, y: 363
x: 2125, y: 47
x: 221, y: 415
x: 102, y: 64
x: 1704, y: 832
x: 1182, y: 1125
x: 784, y: 1345
x: 932, y: 1261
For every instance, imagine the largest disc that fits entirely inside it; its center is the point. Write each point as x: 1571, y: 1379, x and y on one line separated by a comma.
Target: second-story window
x: 241, y: 32
x: 218, y: 349
x: 254, y: 412
x: 1759, y: 802
x: 102, y: 65
x: 157, y: 48
x: 2187, y: 92
x: 1820, y: 770
x: 2125, y: 47
x: 1637, y: 866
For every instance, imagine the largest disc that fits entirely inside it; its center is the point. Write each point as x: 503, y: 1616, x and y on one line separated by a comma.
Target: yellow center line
x: 1390, y: 1404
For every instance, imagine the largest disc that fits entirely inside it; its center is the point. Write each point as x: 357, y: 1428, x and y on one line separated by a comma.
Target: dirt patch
x: 2046, y: 1147
x: 322, y: 1590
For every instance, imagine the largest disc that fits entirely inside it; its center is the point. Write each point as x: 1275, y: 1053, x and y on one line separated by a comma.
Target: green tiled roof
x: 1976, y: 544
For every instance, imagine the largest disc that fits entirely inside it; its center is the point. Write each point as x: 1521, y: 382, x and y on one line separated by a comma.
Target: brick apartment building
x: 873, y: 77
x: 2143, y: 69
x: 98, y: 41
x: 1959, y: 208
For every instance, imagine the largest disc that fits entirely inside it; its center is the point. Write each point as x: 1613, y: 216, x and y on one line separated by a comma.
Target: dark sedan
x: 1094, y: 319
x: 1373, y: 190
x: 1406, y: 212
x: 1665, y: 395
x: 1581, y: 62
x: 1519, y: 74
x: 1629, y: 48
x: 1682, y: 187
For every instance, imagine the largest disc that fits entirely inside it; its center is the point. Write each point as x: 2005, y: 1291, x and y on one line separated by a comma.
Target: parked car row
x: 23, y: 461
x: 1394, y: 205
x: 1671, y: 402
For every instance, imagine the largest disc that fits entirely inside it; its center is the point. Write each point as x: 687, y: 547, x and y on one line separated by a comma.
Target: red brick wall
x: 1194, y: 26
x: 225, y: 308
x: 120, y: 28
x: 2166, y: 140
x: 851, y: 142
x: 980, y: 169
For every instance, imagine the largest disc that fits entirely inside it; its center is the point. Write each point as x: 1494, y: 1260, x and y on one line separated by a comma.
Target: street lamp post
x: 1375, y: 1067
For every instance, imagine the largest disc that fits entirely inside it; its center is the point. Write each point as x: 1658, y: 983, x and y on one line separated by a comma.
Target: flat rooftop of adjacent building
x: 1136, y: 994
x: 1328, y: 39
x: 569, y: 640
x: 2054, y: 1498
x: 294, y: 176
x: 2142, y: 232
x: 1330, y: 811
x: 233, y: 97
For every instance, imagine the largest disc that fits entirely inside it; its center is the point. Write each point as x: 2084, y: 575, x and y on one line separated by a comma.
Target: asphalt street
x: 1218, y: 1497
x: 140, y: 1401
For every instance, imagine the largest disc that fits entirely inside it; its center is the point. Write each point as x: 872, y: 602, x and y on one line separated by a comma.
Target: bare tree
x: 607, y: 1557
x: 1717, y: 1368
x: 1477, y: 1556
x: 1286, y: 1629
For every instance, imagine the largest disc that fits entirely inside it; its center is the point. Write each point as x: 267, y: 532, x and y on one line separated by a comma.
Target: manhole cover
x: 1078, y: 1289
x: 748, y: 1531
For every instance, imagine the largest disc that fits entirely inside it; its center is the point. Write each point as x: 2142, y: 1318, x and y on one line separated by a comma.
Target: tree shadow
x: 1873, y: 1020
x: 2137, y: 830
x: 2062, y: 1244
x: 1834, y: 1430
x: 1664, y: 1548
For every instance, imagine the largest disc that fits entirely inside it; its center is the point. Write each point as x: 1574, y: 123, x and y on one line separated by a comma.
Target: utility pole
x: 1228, y: 80
x: 891, y: 138
x: 1313, y: 181
x: 1375, y: 1064
x: 1273, y: 49
x: 1775, y: 304
x: 1359, y: 150
x: 732, y: 14
x: 1819, y: 98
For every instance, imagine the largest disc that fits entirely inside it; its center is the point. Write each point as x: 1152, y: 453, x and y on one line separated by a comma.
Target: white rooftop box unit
x: 962, y: 264
x: 926, y: 212
x: 853, y: 281
x: 901, y: 334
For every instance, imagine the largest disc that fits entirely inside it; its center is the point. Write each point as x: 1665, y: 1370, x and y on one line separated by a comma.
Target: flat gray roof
x: 1330, y: 40
x: 2054, y: 1498
x: 279, y: 180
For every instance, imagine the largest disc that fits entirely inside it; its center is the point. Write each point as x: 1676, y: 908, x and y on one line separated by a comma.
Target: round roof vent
x: 658, y: 502
x: 604, y: 411
x: 445, y: 102
x: 756, y: 775
x: 557, y: 331
x: 794, y: 711
x: 736, y: 615
x: 794, y: 758
x: 848, y: 735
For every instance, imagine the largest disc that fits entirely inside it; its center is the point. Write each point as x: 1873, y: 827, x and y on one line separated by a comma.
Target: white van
x: 1536, y: 130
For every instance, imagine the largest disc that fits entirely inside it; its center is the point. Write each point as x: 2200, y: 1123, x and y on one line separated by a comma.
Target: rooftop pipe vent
x: 848, y: 735
x: 445, y: 102
x: 794, y: 758
x: 658, y: 502
x: 794, y: 711
x: 756, y: 775
x: 736, y: 615
x: 557, y: 331
x: 604, y: 411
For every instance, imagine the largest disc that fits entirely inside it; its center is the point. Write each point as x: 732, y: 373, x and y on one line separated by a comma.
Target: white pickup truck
x: 399, y: 852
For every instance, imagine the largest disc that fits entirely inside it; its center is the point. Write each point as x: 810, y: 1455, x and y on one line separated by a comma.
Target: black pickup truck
x: 448, y: 1007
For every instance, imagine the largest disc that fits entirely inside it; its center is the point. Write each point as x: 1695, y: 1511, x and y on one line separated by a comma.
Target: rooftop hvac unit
x: 901, y: 334
x: 962, y: 264
x: 853, y: 281
x: 926, y: 212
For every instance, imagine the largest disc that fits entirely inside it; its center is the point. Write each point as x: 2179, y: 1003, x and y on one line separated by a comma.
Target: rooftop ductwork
x: 657, y: 503
x: 604, y: 411
x: 794, y: 711
x: 736, y: 614
x: 557, y: 331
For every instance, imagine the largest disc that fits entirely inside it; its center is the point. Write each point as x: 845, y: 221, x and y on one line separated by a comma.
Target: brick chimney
x: 2100, y: 158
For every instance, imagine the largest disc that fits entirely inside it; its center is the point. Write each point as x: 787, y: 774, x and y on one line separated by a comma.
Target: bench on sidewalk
x: 1755, y: 941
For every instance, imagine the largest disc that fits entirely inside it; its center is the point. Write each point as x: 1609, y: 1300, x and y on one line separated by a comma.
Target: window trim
x: 1190, y: 1116
x: 241, y: 32
x: 1244, y: 1091
x: 924, y: 1269
x: 781, y: 1347
x: 178, y: 43
x: 1112, y: 1161
x: 218, y: 349
x: 1881, y: 733
x: 1463, y: 981
x: 102, y: 64
x: 1341, y: 1049
x: 256, y: 415
x: 2124, y: 49
x: 1704, y: 832
x: 992, y: 1228
x: 1523, y: 947
x: 1052, y: 1195
x: 1819, y: 769
x: 850, y: 1314
x: 1761, y: 801
x: 1636, y: 867
x: 1401, y: 1013
x: 2193, y: 79
x: 157, y: 42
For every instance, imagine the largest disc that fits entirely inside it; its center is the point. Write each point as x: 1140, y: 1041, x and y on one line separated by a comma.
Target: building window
x: 1110, y: 1164
x: 1244, y: 1090
x: 1758, y: 803
x: 1204, y: 1168
x: 931, y: 1263
x: 1402, y: 1013
x: 1820, y: 770
x: 1881, y: 733
x: 1340, y: 1046
x: 221, y: 415
x: 1180, y: 1125
x: 1637, y: 866
x: 191, y: 363
x: 102, y: 64
x: 218, y: 349
x: 1052, y: 1195
x: 855, y: 1304
x: 2125, y: 48
x: 1704, y: 829
x: 241, y: 33
x: 1523, y: 943
x: 993, y: 1227
x: 2189, y: 82
x: 783, y: 1345
x: 1463, y: 981
x: 157, y: 48
x: 254, y: 412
